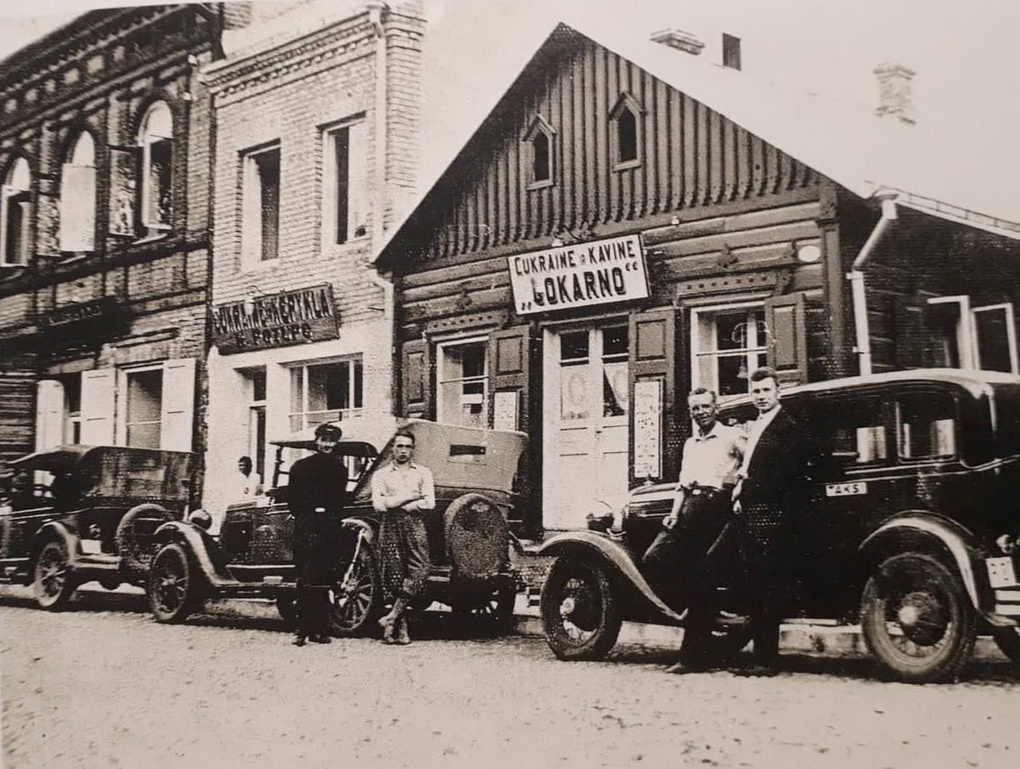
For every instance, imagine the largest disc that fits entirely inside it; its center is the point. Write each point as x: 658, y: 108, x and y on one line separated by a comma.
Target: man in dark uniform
x: 316, y: 491
x: 677, y: 564
x: 773, y: 482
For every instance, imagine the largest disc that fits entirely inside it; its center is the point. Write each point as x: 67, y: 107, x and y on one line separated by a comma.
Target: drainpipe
x: 862, y: 330
x: 376, y: 9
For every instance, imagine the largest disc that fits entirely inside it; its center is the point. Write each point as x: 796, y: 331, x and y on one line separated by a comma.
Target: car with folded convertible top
x: 93, y: 521
x: 253, y: 554
x: 911, y: 527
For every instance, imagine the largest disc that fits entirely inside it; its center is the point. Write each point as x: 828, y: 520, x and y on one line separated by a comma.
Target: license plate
x: 1000, y: 571
x: 846, y: 489
x: 91, y: 546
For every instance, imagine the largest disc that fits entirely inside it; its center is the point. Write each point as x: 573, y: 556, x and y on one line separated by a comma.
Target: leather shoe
x: 321, y: 639
x: 299, y: 640
x: 679, y: 668
x: 756, y: 671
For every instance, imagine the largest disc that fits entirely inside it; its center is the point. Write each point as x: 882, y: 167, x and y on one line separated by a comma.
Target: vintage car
x: 94, y: 521
x: 911, y: 529
x: 469, y: 540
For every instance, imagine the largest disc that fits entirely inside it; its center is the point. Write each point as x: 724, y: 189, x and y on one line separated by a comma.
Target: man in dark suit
x: 773, y: 482
x: 316, y: 491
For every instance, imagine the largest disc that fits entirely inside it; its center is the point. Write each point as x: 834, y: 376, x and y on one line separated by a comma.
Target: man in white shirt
x: 249, y: 484
x: 676, y: 564
x: 402, y: 491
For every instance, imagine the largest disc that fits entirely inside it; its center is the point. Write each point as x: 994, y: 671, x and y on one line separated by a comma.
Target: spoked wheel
x: 134, y: 538
x: 357, y: 595
x: 580, y: 615
x: 917, y: 619
x: 53, y: 585
x: 495, y: 613
x: 1008, y: 641
x: 171, y: 586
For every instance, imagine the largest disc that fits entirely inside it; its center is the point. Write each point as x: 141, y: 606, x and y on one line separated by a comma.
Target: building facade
x: 316, y: 151
x: 104, y: 225
x: 624, y: 228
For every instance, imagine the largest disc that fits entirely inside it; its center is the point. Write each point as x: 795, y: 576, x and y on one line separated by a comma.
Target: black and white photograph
x: 517, y: 384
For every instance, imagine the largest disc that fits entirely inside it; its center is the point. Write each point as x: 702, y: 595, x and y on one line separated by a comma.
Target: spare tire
x: 477, y: 540
x: 135, y: 544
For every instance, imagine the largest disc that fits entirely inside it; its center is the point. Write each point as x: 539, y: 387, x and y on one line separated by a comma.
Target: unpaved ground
x: 103, y: 685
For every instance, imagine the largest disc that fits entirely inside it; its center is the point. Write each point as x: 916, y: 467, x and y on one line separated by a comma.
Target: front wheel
x: 53, y: 584
x: 357, y: 595
x: 172, y: 591
x: 496, y: 612
x: 917, y: 619
x: 580, y: 614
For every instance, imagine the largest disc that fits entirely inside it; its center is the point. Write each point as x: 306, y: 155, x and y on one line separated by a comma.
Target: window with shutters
x: 344, y: 202
x: 463, y: 382
x: 143, y: 407
x: 78, y: 197
x: 155, y: 138
x: 951, y: 332
x: 260, y: 226
x: 255, y: 381
x: 325, y: 392
x: 72, y: 408
x: 727, y: 343
x: 15, y: 215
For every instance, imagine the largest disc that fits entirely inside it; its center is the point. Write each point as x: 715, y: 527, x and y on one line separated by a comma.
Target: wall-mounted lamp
x: 675, y: 221
x: 809, y: 253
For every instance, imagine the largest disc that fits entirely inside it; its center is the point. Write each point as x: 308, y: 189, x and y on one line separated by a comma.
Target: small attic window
x: 626, y: 132
x: 539, y: 139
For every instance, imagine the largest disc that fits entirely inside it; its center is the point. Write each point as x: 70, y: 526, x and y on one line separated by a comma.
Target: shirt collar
x: 713, y: 433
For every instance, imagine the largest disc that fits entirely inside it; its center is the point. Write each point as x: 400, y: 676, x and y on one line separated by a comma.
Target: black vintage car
x: 253, y: 554
x: 912, y: 527
x: 94, y: 521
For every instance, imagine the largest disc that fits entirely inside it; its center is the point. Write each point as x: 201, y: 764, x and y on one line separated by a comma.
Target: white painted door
x: 586, y: 408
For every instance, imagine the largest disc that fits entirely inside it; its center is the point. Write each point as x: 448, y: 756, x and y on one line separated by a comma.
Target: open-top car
x: 253, y: 555
x: 911, y: 528
x: 94, y: 521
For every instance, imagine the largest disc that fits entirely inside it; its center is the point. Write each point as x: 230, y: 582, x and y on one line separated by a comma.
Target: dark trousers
x: 679, y: 569
x: 315, y: 539
x: 312, y: 610
x: 767, y: 575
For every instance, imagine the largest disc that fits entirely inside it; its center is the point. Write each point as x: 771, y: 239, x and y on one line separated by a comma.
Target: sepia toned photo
x: 509, y: 383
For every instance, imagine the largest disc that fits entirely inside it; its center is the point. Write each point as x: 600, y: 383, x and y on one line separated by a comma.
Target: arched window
x: 78, y: 196
x: 626, y: 136
x: 155, y: 137
x: 15, y: 214
x: 539, y: 137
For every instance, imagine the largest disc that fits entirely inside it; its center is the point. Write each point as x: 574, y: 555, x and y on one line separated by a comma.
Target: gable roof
x: 869, y: 155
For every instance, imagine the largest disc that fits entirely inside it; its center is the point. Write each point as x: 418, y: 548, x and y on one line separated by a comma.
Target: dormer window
x: 78, y: 196
x: 539, y: 139
x: 15, y: 215
x: 626, y: 133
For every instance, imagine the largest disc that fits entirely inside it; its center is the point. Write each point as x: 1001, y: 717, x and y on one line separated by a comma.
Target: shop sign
x: 579, y: 275
x: 276, y: 320
x: 102, y: 311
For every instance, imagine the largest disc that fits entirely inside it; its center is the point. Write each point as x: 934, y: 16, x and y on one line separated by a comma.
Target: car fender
x: 955, y: 541
x: 56, y: 530
x: 200, y: 544
x: 594, y: 546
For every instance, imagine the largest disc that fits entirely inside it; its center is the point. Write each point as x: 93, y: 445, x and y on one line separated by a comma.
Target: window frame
x: 626, y: 103
x: 697, y: 312
x: 18, y: 192
x: 253, y: 245
x: 353, y: 412
x: 442, y: 346
x: 147, y: 138
x: 356, y: 200
x: 123, y: 427
x: 539, y: 125
x: 72, y: 161
x: 897, y: 420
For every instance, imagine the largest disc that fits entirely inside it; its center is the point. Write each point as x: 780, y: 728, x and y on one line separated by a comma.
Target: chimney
x: 676, y: 38
x: 894, y: 92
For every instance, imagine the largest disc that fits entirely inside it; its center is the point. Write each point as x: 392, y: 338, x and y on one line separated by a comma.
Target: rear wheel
x: 580, y: 615
x: 917, y: 619
x: 53, y: 584
x: 135, y: 544
x: 496, y: 612
x: 172, y: 591
x: 357, y: 595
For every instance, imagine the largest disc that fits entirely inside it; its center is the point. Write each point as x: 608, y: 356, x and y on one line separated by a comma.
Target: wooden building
x: 630, y: 222
x: 104, y: 230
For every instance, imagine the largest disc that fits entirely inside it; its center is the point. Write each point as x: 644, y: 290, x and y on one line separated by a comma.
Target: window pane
x: 341, y: 156
x: 144, y: 436
x: 993, y: 340
x: 615, y: 342
x: 540, y: 150
x: 145, y: 396
x: 463, y: 385
x: 159, y: 182
x: 615, y: 389
x: 626, y: 125
x: 268, y: 166
x: 574, y: 346
x: 258, y: 385
x: 927, y: 426
x: 359, y: 397
x: 574, y: 392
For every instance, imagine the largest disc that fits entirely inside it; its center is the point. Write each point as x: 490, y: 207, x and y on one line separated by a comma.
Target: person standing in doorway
x: 402, y: 491
x: 676, y: 563
x: 249, y: 484
x: 316, y: 492
x: 772, y: 482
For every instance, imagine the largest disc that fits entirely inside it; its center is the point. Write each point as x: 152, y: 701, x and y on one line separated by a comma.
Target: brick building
x: 630, y: 222
x: 104, y: 225
x: 316, y: 115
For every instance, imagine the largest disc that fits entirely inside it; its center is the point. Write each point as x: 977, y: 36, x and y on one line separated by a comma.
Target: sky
x: 964, y: 52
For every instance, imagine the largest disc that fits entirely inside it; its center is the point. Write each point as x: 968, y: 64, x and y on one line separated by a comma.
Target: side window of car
x: 925, y: 426
x: 851, y: 431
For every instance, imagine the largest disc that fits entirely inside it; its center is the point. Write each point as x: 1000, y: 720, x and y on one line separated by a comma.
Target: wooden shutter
x: 77, y: 208
x: 98, y: 390
x: 787, y: 337
x: 49, y: 414
x: 415, y: 378
x: 654, y: 345
x: 510, y: 352
x: 125, y: 178
x: 6, y: 193
x: 178, y: 417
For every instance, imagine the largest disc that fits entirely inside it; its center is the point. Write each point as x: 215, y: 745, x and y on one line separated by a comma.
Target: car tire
x: 917, y: 619
x: 1008, y: 641
x: 496, y: 613
x: 53, y: 583
x: 171, y: 587
x: 357, y: 600
x: 133, y: 537
x: 581, y: 617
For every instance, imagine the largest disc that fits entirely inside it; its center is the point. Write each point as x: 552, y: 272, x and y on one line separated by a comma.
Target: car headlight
x: 200, y: 518
x: 1007, y: 544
